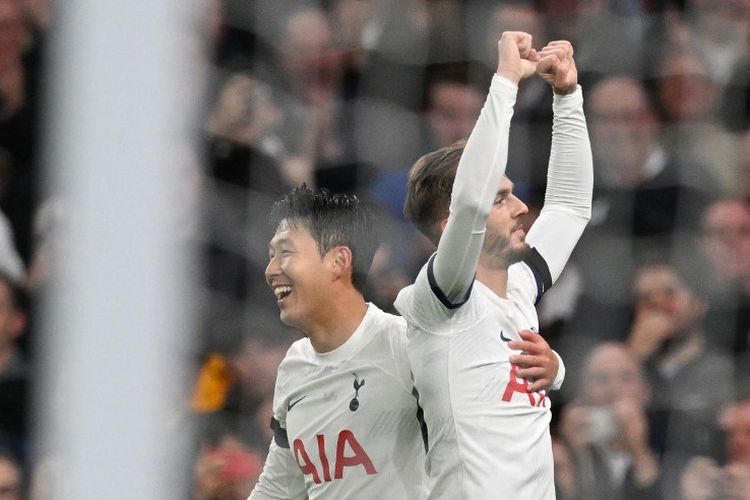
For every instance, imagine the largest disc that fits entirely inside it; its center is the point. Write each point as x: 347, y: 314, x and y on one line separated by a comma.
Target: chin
x: 288, y: 318
x: 518, y: 252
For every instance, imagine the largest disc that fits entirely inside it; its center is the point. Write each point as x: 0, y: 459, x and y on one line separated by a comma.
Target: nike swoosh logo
x: 294, y: 403
x: 503, y: 337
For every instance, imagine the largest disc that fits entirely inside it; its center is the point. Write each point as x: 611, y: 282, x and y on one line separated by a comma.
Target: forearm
x: 570, y: 181
x: 478, y: 177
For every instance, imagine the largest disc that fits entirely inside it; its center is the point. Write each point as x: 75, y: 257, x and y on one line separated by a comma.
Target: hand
x: 634, y: 426
x: 699, y: 479
x: 538, y: 364
x: 650, y: 330
x: 634, y: 429
x: 244, y: 112
x: 737, y: 481
x: 516, y: 59
x: 557, y: 67
x: 575, y: 426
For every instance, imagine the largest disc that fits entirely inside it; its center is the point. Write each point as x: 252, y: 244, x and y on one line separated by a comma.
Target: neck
x: 337, y: 322
x: 493, y: 277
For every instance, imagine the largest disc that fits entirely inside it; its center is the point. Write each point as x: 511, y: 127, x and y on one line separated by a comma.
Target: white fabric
x: 385, y: 423
x: 481, y: 447
x: 570, y: 182
x: 488, y: 437
x: 478, y: 177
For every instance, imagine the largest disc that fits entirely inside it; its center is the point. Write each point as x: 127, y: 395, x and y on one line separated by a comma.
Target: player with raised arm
x: 471, y: 311
x: 345, y: 417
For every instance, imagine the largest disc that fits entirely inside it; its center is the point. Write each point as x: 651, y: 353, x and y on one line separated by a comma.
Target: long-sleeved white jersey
x: 488, y: 437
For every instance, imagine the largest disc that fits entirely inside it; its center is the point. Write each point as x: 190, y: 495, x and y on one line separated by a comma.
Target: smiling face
x: 298, y: 275
x: 504, y: 241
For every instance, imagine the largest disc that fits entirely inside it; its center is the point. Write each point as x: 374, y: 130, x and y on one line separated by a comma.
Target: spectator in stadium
x: 236, y: 384
x: 688, y: 97
x: 243, y: 138
x: 14, y: 369
x: 706, y: 478
x: 11, y: 477
x: 640, y: 200
x: 606, y: 428
x: 718, y: 30
x: 307, y: 77
x: 725, y: 246
x: 566, y: 482
x: 20, y: 57
x: 226, y: 470
x: 690, y: 378
x: 735, y: 104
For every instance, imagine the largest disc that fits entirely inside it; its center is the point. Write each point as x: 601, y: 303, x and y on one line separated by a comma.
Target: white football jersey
x: 487, y: 436
x: 346, y: 422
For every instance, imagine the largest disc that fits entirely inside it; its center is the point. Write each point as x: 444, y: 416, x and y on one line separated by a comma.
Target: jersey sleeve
x: 420, y: 304
x: 530, y: 278
x: 480, y: 170
x: 560, y: 377
x: 281, y: 478
x: 570, y: 181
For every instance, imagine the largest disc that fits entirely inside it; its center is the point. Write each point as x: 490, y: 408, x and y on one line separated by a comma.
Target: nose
x: 521, y: 207
x: 272, y: 269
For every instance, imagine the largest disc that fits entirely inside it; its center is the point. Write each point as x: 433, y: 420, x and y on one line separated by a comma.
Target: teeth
x: 282, y: 291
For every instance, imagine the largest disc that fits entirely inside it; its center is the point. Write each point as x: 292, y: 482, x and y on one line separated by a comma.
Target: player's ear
x: 443, y: 223
x: 342, y: 260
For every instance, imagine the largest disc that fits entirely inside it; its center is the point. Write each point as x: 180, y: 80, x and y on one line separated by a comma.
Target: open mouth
x: 281, y: 292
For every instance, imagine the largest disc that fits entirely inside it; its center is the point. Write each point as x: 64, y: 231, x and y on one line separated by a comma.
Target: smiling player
x: 346, y: 421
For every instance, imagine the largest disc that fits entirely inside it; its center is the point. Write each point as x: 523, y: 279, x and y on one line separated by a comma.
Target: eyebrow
x: 504, y: 192
x: 277, y: 241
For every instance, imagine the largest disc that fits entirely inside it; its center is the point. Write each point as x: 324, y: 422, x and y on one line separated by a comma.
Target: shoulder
x: 420, y: 297
x: 529, y: 279
x: 298, y: 354
x: 387, y: 328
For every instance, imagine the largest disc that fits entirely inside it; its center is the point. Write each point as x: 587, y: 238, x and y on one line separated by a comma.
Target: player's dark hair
x: 428, y: 190
x: 333, y: 220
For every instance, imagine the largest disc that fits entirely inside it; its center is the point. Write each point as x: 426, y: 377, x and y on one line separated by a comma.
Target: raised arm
x: 570, y: 176
x: 480, y: 171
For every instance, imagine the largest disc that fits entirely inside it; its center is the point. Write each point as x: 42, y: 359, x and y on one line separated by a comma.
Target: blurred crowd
x: 652, y: 314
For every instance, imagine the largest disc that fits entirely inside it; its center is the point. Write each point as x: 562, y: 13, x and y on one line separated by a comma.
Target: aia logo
x: 520, y: 385
x: 349, y: 453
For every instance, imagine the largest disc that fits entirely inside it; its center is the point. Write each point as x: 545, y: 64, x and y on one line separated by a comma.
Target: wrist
x: 512, y: 77
x: 567, y: 90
